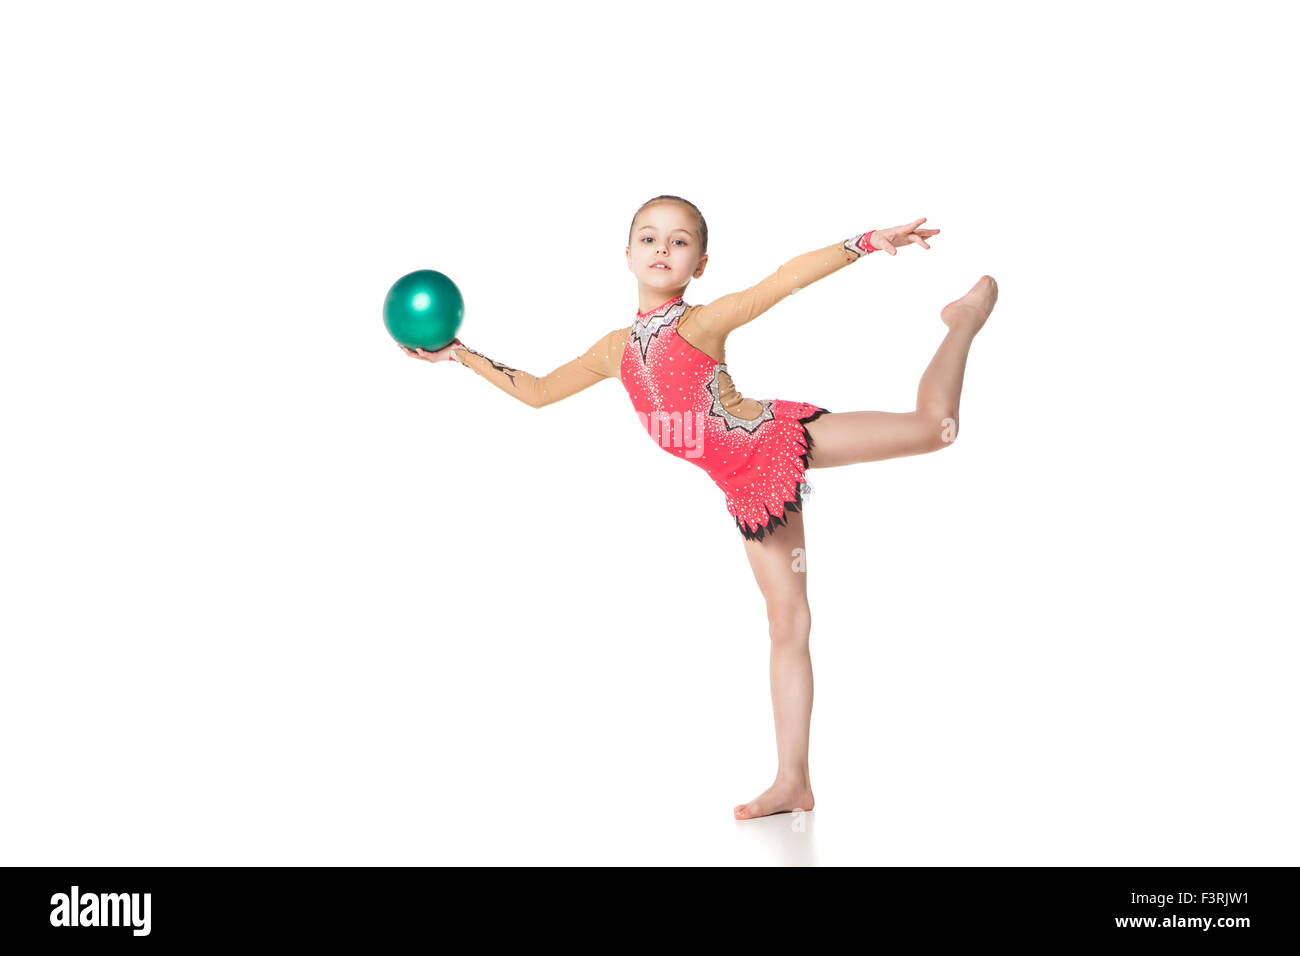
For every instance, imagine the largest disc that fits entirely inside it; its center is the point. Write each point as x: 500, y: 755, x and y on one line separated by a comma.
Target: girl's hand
x: 890, y: 239
x: 442, y: 355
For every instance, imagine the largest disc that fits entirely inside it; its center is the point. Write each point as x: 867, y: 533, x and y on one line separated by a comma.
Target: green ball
x: 424, y: 310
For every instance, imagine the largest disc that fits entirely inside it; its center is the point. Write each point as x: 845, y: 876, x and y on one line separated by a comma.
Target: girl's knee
x: 947, y: 430
x: 938, y: 428
x: 789, y: 621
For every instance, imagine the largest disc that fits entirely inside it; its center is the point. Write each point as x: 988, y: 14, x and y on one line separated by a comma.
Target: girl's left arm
x: 723, y: 316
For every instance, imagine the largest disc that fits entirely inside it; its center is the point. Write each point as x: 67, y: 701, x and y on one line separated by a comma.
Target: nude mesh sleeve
x: 723, y: 316
x: 569, y: 379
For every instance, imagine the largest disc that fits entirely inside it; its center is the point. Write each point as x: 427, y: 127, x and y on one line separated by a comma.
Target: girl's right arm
x: 599, y: 362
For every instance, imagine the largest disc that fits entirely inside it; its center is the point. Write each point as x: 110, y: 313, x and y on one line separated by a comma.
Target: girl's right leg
x: 846, y: 438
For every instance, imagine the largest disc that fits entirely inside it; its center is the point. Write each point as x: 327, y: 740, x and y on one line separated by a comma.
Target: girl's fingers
x: 419, y: 353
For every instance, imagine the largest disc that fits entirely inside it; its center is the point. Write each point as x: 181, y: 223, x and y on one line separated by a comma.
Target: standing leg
x: 847, y: 438
x: 778, y: 562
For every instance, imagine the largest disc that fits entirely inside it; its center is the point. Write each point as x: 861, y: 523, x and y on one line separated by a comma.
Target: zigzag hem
x: 773, y: 521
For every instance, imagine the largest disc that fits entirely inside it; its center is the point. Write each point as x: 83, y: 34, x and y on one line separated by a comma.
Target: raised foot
x: 781, y: 797
x: 972, y: 310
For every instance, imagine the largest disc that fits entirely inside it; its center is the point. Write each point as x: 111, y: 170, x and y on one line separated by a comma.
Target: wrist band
x: 861, y: 245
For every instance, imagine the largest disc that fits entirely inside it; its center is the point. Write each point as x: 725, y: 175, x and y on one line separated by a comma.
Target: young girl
x: 671, y: 361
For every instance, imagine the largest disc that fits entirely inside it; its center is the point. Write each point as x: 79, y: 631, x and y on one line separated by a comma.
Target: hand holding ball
x: 442, y: 355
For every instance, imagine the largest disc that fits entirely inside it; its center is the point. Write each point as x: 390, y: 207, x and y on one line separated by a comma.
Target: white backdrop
x: 276, y: 594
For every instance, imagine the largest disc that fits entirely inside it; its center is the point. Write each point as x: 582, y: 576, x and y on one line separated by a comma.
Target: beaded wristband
x: 860, y: 245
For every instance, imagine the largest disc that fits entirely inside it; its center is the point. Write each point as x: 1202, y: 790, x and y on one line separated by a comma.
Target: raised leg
x: 846, y: 438
x: 779, y: 565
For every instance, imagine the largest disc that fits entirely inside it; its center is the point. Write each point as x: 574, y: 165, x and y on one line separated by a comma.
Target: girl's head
x: 668, y: 244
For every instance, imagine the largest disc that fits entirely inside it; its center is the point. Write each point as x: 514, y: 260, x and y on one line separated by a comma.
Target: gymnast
x: 672, y: 362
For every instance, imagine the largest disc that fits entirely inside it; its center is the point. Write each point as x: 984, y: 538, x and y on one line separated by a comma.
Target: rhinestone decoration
x: 855, y: 245
x: 749, y: 424
x: 649, y: 328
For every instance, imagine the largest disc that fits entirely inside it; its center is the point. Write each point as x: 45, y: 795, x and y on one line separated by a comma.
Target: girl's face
x: 665, y: 250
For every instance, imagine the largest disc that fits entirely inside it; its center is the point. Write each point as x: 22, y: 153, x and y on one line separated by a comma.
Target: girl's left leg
x: 846, y: 438
x: 778, y: 562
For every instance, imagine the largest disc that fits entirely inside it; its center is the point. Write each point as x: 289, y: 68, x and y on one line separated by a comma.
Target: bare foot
x: 972, y: 309
x: 782, y: 797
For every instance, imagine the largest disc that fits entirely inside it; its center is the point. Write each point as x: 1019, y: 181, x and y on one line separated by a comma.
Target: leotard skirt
x: 763, y: 479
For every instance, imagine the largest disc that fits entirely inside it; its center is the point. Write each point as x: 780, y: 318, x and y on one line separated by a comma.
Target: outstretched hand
x: 890, y: 239
x: 442, y: 355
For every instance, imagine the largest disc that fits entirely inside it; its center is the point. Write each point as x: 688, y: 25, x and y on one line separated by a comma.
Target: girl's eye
x: 682, y: 241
